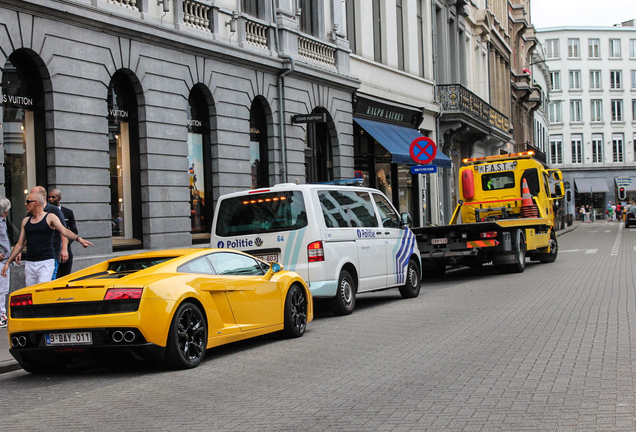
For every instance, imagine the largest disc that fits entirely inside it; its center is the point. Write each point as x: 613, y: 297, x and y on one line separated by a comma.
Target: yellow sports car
x: 168, y: 305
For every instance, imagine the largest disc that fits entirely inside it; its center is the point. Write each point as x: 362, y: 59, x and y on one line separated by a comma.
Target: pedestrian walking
x: 64, y: 267
x: 5, y: 251
x: 36, y: 233
x: 60, y: 243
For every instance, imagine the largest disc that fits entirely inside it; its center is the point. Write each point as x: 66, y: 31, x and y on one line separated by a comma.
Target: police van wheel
x: 411, y: 288
x: 345, y: 300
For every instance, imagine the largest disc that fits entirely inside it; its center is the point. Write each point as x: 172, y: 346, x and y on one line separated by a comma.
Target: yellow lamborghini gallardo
x: 168, y: 305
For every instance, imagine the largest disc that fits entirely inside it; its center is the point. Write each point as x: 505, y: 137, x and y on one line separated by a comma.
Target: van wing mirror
x: 406, y: 218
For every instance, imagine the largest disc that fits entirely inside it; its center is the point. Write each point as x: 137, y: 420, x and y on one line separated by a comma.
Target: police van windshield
x: 258, y: 213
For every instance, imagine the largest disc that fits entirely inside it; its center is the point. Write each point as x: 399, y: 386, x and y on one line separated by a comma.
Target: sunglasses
x: 29, y: 201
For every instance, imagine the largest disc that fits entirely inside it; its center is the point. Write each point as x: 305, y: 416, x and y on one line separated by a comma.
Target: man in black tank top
x: 37, y: 233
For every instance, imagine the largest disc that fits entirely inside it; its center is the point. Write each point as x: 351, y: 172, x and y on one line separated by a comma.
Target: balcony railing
x: 196, y: 15
x: 256, y: 34
x: 316, y: 51
x: 457, y: 98
x: 129, y: 4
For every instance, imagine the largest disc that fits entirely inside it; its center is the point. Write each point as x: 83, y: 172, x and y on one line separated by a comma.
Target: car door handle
x: 387, y: 233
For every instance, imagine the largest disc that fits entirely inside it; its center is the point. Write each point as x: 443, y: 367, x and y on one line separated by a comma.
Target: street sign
x: 358, y: 174
x: 423, y: 150
x: 624, y: 181
x: 423, y: 169
x: 309, y: 118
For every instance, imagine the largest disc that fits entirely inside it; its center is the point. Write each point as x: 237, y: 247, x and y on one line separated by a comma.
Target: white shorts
x: 4, y: 290
x: 36, y: 272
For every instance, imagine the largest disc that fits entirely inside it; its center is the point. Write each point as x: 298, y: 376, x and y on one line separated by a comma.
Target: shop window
x: 199, y: 164
x: 23, y: 138
x: 259, y: 148
x: 123, y: 140
x: 319, y: 151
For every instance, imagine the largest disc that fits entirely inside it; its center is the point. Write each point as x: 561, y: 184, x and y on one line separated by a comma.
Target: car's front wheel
x: 187, y: 339
x: 411, y: 288
x: 295, y: 312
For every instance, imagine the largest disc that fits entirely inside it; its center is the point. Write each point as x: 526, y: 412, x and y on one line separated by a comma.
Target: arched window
x: 23, y: 134
x: 125, y: 182
x: 199, y: 164
x: 259, y: 148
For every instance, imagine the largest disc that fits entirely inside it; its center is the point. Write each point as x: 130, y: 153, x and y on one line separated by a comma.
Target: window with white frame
x: 575, y: 80
x: 573, y: 48
x: 555, y: 112
x: 617, y: 110
x: 596, y: 110
x: 634, y: 110
x: 577, y: 149
x: 615, y: 48
x: 594, y: 46
x: 633, y: 73
x: 595, y: 80
x: 555, y: 81
x: 618, y: 147
x: 576, y: 114
x: 616, y: 78
x: 376, y: 10
x: 597, y: 148
x: 632, y: 48
x: 556, y: 149
x: 552, y: 48
x: 399, y: 25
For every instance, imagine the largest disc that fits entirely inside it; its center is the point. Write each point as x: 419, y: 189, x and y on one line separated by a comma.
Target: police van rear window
x: 259, y: 213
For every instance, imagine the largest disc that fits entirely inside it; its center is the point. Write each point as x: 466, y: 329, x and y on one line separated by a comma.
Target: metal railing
x: 456, y: 97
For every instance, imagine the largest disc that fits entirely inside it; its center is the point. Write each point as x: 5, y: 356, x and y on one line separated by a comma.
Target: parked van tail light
x: 488, y: 234
x: 315, y: 252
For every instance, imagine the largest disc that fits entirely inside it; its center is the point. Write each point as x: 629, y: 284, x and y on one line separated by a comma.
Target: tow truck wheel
x: 520, y: 252
x: 551, y: 256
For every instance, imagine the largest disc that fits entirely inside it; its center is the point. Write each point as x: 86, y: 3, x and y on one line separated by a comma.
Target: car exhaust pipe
x: 117, y: 336
x: 18, y: 341
x: 14, y: 342
x: 129, y: 336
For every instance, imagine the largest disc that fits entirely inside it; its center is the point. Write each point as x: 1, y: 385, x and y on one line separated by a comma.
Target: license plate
x: 439, y: 241
x: 70, y: 338
x: 270, y: 258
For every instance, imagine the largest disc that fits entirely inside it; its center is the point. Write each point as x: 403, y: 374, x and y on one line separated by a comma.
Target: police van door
x: 350, y: 216
x: 395, y: 241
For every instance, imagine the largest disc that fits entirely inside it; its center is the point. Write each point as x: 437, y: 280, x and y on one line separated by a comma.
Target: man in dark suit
x: 55, y: 196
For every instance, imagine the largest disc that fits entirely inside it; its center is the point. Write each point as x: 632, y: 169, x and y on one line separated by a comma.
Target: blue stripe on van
x: 404, y: 251
x: 293, y: 247
x: 298, y: 245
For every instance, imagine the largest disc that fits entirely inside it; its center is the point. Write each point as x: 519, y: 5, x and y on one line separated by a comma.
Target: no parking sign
x: 423, y: 150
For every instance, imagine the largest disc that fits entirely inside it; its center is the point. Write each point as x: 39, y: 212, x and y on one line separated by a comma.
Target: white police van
x: 342, y: 240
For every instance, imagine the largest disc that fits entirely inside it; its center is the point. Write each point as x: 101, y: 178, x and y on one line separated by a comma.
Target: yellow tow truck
x: 505, y: 214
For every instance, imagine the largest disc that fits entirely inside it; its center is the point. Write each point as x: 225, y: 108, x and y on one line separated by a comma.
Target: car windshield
x: 263, y: 212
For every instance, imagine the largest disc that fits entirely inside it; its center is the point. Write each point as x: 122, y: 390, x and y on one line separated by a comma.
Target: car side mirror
x: 275, y: 267
x: 406, y: 218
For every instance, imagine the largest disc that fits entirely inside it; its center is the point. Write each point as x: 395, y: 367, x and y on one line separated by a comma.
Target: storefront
x: 382, y: 137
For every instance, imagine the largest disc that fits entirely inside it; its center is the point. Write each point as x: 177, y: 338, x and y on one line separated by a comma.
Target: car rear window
x: 263, y: 212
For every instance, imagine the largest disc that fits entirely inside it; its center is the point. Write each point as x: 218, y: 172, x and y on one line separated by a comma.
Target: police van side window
x: 347, y: 209
x: 390, y: 219
x: 263, y: 212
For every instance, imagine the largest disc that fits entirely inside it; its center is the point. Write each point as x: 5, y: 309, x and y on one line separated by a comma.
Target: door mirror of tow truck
x: 406, y: 218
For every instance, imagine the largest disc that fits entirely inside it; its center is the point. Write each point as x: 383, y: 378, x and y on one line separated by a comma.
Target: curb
x: 9, y: 366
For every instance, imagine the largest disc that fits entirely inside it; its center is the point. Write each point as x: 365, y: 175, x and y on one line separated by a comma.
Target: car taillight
x: 315, y: 252
x: 123, y: 294
x: 21, y: 300
x: 488, y: 234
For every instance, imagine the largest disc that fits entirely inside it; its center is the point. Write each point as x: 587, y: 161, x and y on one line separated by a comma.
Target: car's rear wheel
x: 411, y: 288
x: 187, y: 339
x: 345, y: 300
x: 295, y: 312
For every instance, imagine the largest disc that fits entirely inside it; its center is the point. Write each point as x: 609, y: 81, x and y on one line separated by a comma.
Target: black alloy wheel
x: 188, y: 337
x: 295, y: 312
